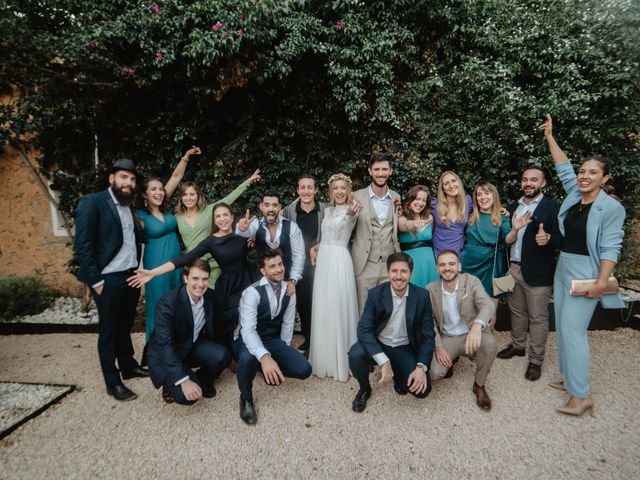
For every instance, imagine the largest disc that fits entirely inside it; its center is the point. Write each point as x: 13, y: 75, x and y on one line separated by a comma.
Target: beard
x: 534, y: 194
x: 124, y: 198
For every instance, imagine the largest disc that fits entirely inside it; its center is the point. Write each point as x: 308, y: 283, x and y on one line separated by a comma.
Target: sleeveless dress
x: 161, y: 245
x: 334, y: 311
x: 480, y: 249
x: 192, y: 236
x: 424, y: 261
x: 230, y: 253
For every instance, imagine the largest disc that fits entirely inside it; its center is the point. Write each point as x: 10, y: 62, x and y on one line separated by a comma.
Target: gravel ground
x: 307, y: 429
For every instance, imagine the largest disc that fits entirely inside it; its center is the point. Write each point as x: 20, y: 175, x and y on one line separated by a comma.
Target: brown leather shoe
x: 166, y: 397
x: 510, y: 352
x: 533, y: 372
x: 482, y: 397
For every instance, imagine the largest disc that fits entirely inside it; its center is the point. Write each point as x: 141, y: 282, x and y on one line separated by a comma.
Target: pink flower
x: 216, y: 26
x: 159, y: 56
x: 341, y: 25
x: 240, y: 32
x: 224, y: 34
x: 155, y: 9
x: 128, y: 71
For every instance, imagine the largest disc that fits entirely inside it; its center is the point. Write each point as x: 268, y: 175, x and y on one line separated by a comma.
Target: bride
x: 334, y: 313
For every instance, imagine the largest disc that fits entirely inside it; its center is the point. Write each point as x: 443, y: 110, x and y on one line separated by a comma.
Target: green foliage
x: 21, y: 296
x: 319, y: 85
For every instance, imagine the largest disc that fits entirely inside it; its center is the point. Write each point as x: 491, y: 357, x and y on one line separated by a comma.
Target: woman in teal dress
x: 486, y: 227
x: 415, y: 225
x: 195, y: 217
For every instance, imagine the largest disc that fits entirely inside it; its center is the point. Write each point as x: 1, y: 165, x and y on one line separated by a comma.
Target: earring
x: 145, y: 203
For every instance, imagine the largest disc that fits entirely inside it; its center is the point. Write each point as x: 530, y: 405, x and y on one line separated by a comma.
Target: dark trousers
x: 403, y: 361
x: 116, y: 312
x: 304, y: 300
x: 211, y: 357
x: 291, y: 362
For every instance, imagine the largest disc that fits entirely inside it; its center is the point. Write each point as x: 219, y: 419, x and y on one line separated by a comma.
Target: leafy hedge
x: 25, y: 295
x: 291, y: 86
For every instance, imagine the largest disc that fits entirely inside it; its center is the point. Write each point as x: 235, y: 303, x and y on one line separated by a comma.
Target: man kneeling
x: 267, y: 316
x: 183, y: 338
x: 463, y: 313
x: 396, y: 330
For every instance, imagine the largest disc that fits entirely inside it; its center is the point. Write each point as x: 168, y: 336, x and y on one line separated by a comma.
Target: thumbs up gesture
x: 542, y: 237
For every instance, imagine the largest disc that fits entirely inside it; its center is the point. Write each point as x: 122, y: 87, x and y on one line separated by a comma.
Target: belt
x: 128, y: 271
x: 418, y: 244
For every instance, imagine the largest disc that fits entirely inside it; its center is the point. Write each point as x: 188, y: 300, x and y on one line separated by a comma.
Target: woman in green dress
x: 194, y: 216
x: 487, y: 227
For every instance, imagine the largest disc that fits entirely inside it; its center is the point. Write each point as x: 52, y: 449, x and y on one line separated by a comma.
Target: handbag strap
x: 495, y: 255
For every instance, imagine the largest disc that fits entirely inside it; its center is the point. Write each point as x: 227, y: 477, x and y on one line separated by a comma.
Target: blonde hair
x: 334, y: 178
x: 412, y: 194
x: 442, y: 205
x: 496, y: 217
x: 200, y: 204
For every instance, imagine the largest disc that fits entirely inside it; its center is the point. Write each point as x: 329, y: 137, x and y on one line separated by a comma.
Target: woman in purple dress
x: 451, y: 211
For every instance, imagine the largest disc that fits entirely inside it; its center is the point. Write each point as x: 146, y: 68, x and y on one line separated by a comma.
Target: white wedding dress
x: 334, y: 316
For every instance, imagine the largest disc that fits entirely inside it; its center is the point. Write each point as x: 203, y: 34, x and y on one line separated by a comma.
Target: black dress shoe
x: 400, y: 391
x: 166, y: 397
x: 135, y: 372
x: 208, y: 392
x: 510, y: 352
x: 122, y: 393
x: 248, y: 412
x: 360, y: 402
x: 533, y: 372
x: 449, y: 373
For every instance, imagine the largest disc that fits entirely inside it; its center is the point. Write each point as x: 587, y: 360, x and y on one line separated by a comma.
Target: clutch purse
x: 503, y: 284
x: 580, y: 285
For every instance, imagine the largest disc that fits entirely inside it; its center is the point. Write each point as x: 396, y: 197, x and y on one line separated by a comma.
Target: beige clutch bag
x: 582, y: 284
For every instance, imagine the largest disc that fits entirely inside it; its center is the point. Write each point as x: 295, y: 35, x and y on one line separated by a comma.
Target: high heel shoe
x: 586, y: 404
x: 558, y: 385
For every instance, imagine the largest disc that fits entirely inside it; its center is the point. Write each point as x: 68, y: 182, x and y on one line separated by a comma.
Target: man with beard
x: 307, y: 213
x: 274, y: 231
x: 107, y: 248
x: 375, y: 235
x: 533, y: 262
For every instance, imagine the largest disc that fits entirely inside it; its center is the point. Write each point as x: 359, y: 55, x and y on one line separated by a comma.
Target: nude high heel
x: 558, y: 385
x: 586, y: 404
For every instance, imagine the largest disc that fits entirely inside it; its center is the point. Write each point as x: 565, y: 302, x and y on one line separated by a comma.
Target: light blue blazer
x: 604, y: 226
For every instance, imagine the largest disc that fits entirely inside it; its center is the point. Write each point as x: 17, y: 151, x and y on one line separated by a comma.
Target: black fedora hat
x: 124, y: 164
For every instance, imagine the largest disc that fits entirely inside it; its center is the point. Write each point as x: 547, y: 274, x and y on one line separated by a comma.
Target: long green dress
x: 479, y: 251
x: 192, y: 236
x: 424, y: 261
x: 161, y: 245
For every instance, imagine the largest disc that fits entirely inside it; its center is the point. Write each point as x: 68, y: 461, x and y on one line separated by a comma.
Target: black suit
x: 172, y: 351
x: 99, y: 237
x: 420, y: 332
x: 539, y: 263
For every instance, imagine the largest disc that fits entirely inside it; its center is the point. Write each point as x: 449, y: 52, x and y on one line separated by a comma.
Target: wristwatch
x: 295, y: 282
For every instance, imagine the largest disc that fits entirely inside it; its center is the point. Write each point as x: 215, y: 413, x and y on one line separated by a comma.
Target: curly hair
x: 334, y: 178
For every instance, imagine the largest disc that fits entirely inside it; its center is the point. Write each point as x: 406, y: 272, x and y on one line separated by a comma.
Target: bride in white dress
x: 334, y: 314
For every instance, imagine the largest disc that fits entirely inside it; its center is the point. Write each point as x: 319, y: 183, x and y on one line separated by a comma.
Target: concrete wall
x: 28, y: 245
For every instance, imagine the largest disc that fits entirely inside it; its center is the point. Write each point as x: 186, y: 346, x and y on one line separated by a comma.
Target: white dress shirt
x: 380, y: 205
x: 516, y: 248
x: 249, y: 316
x: 127, y: 256
x: 197, y: 309
x: 394, y: 333
x: 452, y: 324
x: 295, y: 240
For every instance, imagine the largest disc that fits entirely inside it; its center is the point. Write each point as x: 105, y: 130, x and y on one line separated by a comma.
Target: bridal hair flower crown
x: 339, y: 176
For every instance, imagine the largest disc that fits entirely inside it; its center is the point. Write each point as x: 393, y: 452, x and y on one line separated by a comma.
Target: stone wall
x: 28, y: 245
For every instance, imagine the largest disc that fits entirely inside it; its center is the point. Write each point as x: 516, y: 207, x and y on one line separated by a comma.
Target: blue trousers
x: 211, y: 357
x: 573, y: 315
x: 291, y: 362
x: 403, y: 362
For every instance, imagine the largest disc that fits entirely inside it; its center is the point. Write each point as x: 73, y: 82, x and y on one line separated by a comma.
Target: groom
x: 375, y: 234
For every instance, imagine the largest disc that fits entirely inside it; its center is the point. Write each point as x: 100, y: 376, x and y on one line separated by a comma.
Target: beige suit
x: 473, y: 304
x: 372, y: 244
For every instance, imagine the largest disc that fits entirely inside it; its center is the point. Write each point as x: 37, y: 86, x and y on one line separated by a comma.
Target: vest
x: 284, y: 244
x: 381, y: 237
x: 269, y: 328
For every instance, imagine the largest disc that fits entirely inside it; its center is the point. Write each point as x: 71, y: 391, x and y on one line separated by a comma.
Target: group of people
x: 407, y: 286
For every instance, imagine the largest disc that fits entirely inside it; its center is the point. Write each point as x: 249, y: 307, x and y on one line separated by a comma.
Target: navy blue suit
x: 172, y: 351
x: 98, y: 239
x: 420, y: 332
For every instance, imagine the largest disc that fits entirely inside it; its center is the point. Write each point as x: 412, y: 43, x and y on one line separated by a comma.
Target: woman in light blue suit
x: 591, y: 222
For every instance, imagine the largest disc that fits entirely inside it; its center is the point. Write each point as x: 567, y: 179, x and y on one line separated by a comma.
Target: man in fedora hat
x: 107, y: 248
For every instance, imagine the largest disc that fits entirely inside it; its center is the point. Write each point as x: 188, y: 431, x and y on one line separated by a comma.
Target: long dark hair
x: 141, y: 201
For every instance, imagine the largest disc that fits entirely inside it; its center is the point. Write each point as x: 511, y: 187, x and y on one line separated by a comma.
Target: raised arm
x: 178, y: 173
x: 556, y: 152
x: 240, y: 189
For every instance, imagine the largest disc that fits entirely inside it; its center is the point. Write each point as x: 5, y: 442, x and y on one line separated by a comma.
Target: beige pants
x: 529, y: 308
x: 454, y: 346
x: 374, y: 274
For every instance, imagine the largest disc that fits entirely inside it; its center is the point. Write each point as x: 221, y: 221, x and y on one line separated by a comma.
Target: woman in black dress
x: 230, y: 252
